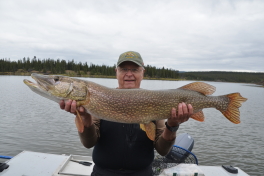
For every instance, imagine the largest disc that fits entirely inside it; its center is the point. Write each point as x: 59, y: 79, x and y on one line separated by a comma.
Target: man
x: 124, y: 149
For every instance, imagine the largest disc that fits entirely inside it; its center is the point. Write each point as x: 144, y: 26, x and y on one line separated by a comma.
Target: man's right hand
x: 71, y: 106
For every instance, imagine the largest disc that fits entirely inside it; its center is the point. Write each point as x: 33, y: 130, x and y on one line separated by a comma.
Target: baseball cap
x: 131, y: 56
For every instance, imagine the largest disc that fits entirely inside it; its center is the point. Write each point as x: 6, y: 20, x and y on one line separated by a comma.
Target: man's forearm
x: 168, y: 135
x: 90, y: 134
x: 88, y: 137
x: 163, y: 145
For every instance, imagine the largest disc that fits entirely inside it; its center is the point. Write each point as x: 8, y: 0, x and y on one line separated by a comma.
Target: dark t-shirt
x: 123, y: 146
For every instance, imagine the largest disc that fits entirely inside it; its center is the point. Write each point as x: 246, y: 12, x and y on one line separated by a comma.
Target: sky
x: 190, y: 35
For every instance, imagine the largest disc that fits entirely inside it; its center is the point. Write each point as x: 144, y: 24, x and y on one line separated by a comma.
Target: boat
x: 180, y: 161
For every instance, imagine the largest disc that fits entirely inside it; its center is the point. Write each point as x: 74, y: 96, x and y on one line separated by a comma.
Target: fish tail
x: 232, y: 113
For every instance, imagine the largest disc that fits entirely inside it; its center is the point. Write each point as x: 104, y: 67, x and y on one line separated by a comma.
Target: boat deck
x: 29, y: 163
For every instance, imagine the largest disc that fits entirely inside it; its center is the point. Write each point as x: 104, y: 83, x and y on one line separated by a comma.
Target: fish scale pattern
x: 143, y: 106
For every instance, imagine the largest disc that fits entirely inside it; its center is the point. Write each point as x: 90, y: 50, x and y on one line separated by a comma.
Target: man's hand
x: 184, y: 112
x: 183, y: 115
x: 71, y: 106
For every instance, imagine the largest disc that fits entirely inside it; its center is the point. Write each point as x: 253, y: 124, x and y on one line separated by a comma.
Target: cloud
x: 183, y: 35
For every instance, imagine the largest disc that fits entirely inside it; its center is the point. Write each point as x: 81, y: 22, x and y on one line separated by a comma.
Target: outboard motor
x: 180, y: 153
x: 182, y: 149
x: 184, y: 141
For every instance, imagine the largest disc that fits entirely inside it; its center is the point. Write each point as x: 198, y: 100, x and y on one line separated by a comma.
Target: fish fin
x: 150, y: 129
x: 142, y: 127
x: 199, y: 116
x: 79, y: 122
x: 201, y: 87
x: 232, y: 113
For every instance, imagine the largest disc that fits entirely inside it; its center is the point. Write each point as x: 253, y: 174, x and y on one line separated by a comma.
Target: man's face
x: 129, y: 75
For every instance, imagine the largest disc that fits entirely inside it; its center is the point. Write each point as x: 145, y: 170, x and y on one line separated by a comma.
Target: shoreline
x: 73, y: 74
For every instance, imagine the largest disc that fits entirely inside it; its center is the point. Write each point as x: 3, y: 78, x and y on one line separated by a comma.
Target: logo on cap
x: 130, y: 55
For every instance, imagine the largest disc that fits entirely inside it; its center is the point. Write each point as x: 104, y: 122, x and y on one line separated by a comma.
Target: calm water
x: 30, y: 122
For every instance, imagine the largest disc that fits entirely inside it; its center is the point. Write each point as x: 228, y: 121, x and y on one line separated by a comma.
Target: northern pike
x: 135, y: 105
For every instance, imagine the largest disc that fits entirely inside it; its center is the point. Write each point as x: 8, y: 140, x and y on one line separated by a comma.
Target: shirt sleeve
x: 161, y: 145
x: 91, y: 134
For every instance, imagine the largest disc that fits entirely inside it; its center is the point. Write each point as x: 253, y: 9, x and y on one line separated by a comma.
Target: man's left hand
x: 177, y: 117
x: 183, y: 114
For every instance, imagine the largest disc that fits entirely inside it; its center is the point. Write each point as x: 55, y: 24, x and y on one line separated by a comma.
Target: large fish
x: 135, y: 105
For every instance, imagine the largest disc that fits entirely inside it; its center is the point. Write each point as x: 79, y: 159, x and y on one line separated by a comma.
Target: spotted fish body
x: 135, y: 105
x: 143, y: 106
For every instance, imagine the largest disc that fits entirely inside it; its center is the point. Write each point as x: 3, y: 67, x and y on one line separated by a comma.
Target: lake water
x: 30, y: 122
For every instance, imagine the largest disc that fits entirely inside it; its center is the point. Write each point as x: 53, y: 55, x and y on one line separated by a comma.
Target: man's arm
x: 91, y: 124
x: 90, y: 134
x: 166, y: 138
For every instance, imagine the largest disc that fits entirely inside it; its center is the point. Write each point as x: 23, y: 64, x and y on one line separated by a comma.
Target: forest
x: 225, y: 76
x: 26, y: 66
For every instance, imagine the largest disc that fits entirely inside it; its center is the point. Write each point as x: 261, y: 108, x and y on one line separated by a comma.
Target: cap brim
x: 139, y: 64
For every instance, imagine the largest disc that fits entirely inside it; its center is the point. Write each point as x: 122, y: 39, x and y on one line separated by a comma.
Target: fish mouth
x: 40, y: 82
x: 30, y: 83
x: 44, y: 86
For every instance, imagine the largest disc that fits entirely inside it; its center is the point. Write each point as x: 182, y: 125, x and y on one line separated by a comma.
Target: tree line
x: 72, y: 68
x: 225, y: 76
x: 51, y: 66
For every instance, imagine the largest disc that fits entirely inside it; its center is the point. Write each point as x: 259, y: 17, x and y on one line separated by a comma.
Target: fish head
x: 61, y: 87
